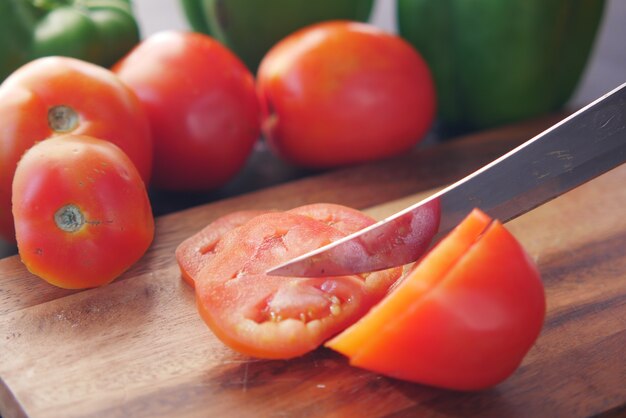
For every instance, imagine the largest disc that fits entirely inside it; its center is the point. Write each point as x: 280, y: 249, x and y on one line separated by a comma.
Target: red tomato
x: 278, y: 317
x: 57, y: 96
x: 82, y: 214
x: 198, y: 250
x: 202, y: 106
x: 463, y: 318
x: 340, y: 92
x: 345, y: 219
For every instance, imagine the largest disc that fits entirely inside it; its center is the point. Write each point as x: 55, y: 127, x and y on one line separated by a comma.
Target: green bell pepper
x: 500, y: 61
x: 251, y: 27
x: 98, y: 31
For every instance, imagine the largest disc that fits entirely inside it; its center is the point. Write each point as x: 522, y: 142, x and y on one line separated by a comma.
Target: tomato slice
x: 463, y: 318
x: 343, y: 218
x: 283, y: 317
x: 197, y: 250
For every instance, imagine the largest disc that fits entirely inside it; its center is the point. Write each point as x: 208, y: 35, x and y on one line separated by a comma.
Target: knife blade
x: 579, y: 148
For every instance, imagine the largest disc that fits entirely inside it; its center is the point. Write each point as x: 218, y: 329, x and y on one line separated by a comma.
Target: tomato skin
x: 270, y: 316
x: 202, y: 106
x: 339, y: 93
x: 96, y: 177
x: 104, y: 106
x: 462, y: 319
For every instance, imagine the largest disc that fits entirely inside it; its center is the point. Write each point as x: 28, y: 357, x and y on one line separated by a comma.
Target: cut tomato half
x: 463, y: 318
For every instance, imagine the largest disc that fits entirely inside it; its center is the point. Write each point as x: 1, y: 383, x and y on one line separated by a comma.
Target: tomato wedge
x: 270, y: 316
x: 463, y: 318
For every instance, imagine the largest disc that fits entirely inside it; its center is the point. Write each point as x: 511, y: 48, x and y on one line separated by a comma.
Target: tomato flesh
x: 463, y: 318
x: 197, y: 250
x: 345, y: 219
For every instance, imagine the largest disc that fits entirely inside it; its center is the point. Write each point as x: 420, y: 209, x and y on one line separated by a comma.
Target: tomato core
x: 69, y: 218
x: 62, y: 119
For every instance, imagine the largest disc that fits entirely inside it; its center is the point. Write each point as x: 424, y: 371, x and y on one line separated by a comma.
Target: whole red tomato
x: 202, y: 106
x: 341, y: 92
x: 57, y: 96
x: 82, y: 214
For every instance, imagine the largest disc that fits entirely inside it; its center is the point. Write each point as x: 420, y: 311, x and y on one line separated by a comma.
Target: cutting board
x: 137, y: 347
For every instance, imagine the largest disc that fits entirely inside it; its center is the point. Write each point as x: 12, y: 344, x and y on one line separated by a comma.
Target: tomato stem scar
x: 69, y: 218
x: 62, y: 118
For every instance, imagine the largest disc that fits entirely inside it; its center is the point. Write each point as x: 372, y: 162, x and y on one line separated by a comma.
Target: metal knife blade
x: 570, y: 153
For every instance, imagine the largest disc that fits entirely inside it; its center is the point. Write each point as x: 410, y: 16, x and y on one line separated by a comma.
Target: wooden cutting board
x: 137, y: 348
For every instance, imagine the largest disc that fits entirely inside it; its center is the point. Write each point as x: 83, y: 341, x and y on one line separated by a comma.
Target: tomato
x: 202, y: 106
x: 283, y: 317
x: 340, y: 92
x: 82, y: 214
x: 197, y: 250
x: 57, y: 96
x: 463, y: 318
x: 343, y: 218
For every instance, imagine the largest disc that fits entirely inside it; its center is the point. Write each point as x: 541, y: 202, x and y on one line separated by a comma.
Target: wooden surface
x: 137, y: 348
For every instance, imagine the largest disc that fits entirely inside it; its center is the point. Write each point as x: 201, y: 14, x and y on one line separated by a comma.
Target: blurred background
x: 605, y: 70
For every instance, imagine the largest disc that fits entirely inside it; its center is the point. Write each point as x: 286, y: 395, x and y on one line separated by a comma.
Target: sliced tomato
x: 343, y: 218
x: 197, y: 250
x: 282, y: 317
x: 463, y: 318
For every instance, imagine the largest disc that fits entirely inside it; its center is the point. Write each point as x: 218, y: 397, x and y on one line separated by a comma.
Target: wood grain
x: 138, y: 348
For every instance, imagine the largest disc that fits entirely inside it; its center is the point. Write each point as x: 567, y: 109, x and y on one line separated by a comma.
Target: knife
x: 570, y: 153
